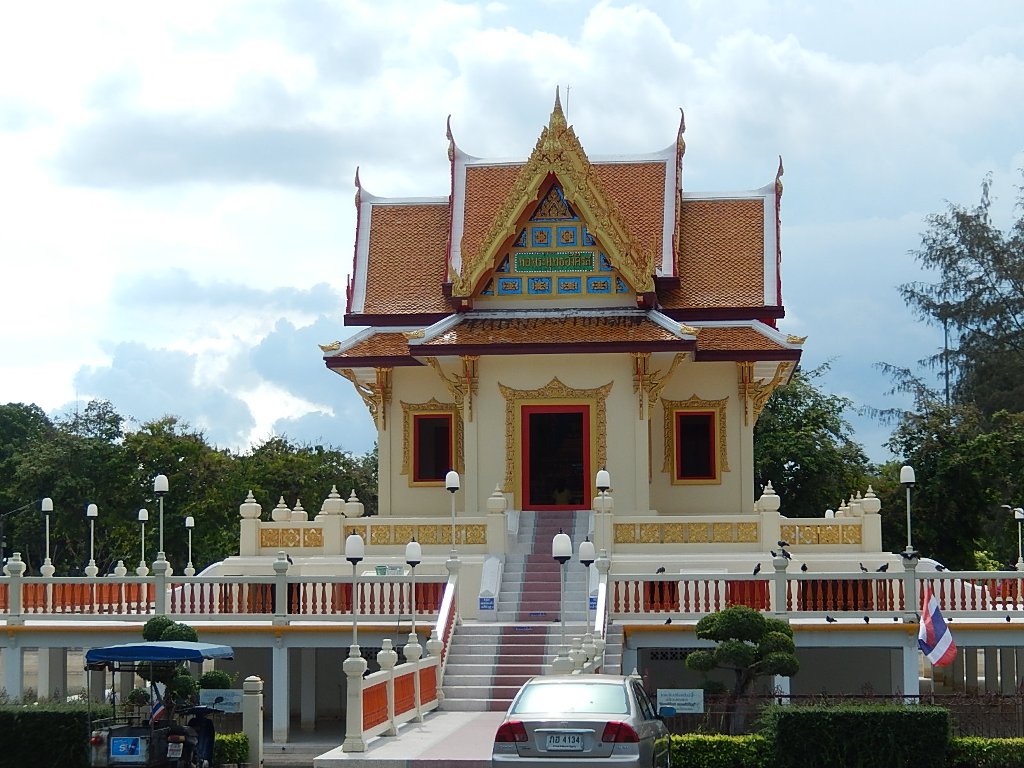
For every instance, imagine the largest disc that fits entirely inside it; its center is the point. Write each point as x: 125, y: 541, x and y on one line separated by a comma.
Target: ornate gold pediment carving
x: 558, y: 152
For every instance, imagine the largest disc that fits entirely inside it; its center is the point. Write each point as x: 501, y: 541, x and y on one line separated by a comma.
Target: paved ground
x: 442, y: 740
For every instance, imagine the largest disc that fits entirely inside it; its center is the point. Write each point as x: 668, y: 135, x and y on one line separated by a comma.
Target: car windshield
x: 608, y: 698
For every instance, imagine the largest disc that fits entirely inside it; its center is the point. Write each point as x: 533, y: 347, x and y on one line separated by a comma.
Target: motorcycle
x: 159, y: 740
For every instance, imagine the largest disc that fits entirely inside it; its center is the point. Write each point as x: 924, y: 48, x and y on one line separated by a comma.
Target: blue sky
x: 177, y: 197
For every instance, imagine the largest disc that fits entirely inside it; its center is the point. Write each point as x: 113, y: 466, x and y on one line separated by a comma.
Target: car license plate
x: 565, y: 742
x: 174, y: 750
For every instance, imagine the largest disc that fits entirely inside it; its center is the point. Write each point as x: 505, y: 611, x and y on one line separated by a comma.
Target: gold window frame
x: 694, y: 404
x: 430, y: 408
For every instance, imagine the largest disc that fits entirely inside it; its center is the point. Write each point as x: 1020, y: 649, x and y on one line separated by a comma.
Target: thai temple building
x: 565, y: 357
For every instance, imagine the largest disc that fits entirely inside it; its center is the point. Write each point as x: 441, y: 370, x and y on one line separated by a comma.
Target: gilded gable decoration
x: 558, y: 153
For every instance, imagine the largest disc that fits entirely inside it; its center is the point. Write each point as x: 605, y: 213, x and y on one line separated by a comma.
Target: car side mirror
x: 666, y: 712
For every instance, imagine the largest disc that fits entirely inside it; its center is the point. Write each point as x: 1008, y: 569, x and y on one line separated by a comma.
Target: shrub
x: 215, y: 679
x: 696, y: 750
x: 154, y: 628
x: 56, y: 730
x: 866, y: 735
x: 978, y: 752
x: 137, y: 697
x: 182, y: 687
x: 230, y: 748
x: 179, y: 631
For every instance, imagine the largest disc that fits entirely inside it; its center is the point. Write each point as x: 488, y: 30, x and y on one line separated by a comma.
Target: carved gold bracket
x: 754, y: 393
x: 376, y: 396
x: 461, y: 388
x: 651, y: 383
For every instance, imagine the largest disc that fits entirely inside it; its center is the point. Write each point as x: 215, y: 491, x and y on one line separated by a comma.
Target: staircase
x: 488, y: 663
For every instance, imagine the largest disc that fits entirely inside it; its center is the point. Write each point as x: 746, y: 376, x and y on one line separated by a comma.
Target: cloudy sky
x: 177, y: 199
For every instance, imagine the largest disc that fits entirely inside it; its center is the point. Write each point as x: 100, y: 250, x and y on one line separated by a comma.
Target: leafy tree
x: 967, y: 465
x: 978, y: 297
x: 93, y: 456
x: 751, y: 645
x: 803, y: 445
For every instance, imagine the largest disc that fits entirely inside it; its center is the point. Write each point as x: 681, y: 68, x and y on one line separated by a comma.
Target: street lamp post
x: 1018, y: 515
x: 143, y: 569
x: 587, y: 557
x: 92, y: 512
x: 354, y: 551
x: 190, y: 523
x: 907, y: 480
x: 413, y: 557
x: 561, y: 550
x: 451, y: 484
x: 160, y: 488
x: 46, y: 505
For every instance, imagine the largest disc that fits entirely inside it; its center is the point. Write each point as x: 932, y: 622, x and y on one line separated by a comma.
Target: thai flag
x: 158, y: 711
x: 934, y: 637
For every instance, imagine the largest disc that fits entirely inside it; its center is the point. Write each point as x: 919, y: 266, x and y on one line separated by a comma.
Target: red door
x: 556, y: 457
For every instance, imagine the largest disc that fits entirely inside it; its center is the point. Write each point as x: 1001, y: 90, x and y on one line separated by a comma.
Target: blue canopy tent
x: 155, y: 652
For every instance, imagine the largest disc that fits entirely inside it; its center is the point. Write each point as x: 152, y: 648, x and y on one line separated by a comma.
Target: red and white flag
x: 934, y: 637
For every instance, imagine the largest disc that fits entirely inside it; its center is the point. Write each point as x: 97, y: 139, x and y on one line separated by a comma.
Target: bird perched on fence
x: 757, y: 569
x: 803, y: 567
x: 909, y: 555
x: 882, y: 568
x: 668, y: 620
x: 661, y: 569
x: 831, y: 620
x: 867, y: 619
x: 782, y: 543
x: 865, y: 570
x: 940, y: 567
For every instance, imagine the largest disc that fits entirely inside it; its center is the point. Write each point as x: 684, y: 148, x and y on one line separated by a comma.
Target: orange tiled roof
x: 720, y: 260
x: 735, y: 338
x: 487, y: 187
x: 406, y: 263
x: 638, y: 190
x: 377, y: 345
x: 555, y: 330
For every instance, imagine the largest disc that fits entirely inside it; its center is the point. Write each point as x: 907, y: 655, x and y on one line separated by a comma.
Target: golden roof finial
x: 359, y: 187
x: 557, y: 121
x: 778, y: 176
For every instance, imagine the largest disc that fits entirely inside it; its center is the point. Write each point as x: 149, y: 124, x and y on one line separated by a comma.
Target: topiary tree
x: 155, y: 627
x: 179, y: 686
x: 215, y: 679
x: 750, y: 644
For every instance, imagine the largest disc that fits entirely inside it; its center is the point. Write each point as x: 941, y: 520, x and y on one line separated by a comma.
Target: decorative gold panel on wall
x: 625, y: 533
x: 405, y: 533
x: 687, y: 533
x: 747, y: 533
x: 554, y: 392
x: 474, y: 534
x: 380, y: 534
x: 822, y: 535
x: 313, y: 537
x: 270, y: 537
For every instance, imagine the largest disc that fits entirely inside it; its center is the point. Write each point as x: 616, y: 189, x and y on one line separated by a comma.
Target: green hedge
x: 44, y: 735
x: 863, y: 735
x: 698, y: 750
x: 230, y: 749
x: 977, y: 752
